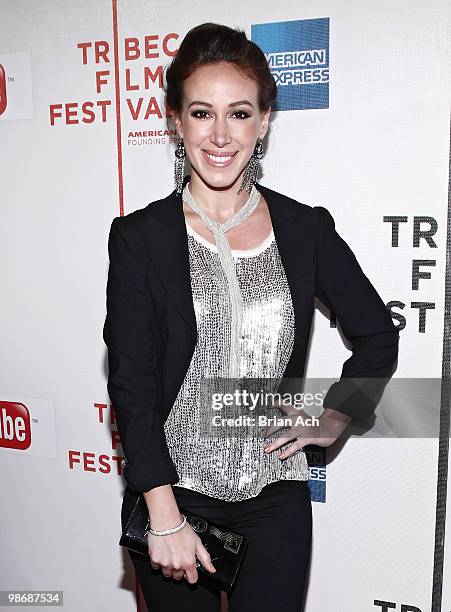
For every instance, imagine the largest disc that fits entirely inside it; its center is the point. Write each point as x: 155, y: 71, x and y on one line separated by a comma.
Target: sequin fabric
x: 226, y: 467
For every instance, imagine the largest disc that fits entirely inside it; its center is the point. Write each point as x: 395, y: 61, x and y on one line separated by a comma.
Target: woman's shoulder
x: 317, y: 213
x: 138, y: 218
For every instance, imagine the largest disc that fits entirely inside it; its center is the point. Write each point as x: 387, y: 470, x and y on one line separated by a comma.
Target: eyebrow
x: 238, y: 103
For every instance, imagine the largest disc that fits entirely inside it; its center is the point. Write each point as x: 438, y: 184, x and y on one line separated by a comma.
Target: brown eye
x: 240, y: 114
x: 199, y: 114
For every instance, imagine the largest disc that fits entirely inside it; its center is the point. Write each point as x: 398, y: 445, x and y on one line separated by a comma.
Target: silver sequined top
x: 226, y: 467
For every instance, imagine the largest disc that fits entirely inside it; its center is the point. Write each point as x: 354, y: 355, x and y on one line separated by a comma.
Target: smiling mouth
x: 223, y: 159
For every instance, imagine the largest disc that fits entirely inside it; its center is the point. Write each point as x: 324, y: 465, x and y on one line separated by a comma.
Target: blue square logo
x: 316, y: 458
x: 298, y: 56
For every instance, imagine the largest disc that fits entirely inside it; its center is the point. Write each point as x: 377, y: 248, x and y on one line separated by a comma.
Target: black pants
x: 278, y: 524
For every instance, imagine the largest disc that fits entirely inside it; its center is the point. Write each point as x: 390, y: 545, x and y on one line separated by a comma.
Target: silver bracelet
x: 169, y: 531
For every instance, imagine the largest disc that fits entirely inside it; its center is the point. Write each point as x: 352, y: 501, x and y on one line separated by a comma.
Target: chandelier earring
x: 253, y: 168
x: 179, y: 165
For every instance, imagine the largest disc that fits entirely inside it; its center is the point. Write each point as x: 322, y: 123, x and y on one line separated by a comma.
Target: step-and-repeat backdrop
x: 361, y: 127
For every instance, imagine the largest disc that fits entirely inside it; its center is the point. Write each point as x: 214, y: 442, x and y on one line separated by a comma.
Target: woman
x: 218, y: 280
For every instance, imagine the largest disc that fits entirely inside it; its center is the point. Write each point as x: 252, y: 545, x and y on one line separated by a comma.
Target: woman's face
x: 220, y: 122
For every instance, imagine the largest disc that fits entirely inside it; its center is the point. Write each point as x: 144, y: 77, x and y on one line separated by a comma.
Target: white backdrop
x: 379, y: 149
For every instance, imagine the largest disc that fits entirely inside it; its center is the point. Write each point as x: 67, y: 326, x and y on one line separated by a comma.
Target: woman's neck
x: 219, y: 204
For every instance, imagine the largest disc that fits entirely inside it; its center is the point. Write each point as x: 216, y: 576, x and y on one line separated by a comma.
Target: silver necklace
x: 226, y: 258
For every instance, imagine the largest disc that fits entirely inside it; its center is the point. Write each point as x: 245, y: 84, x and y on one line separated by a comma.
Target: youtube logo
x: 15, y: 426
x: 3, y: 100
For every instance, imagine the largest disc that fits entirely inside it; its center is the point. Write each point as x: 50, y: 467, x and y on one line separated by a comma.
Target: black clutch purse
x: 226, y: 548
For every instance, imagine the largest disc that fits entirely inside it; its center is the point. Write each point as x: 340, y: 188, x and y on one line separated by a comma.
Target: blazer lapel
x: 168, y: 247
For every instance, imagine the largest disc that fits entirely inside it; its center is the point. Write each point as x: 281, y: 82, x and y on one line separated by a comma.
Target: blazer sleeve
x: 364, y: 319
x: 133, y: 371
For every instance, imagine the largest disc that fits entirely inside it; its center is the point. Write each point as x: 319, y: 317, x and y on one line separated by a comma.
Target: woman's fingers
x: 294, y: 448
x: 297, y: 445
x: 190, y: 573
x: 166, y: 571
x: 272, y: 429
x: 204, y: 557
x: 276, y: 444
x: 178, y: 574
x: 184, y: 563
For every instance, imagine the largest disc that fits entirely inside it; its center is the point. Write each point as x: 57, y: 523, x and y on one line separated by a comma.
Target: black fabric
x: 150, y: 327
x: 278, y: 523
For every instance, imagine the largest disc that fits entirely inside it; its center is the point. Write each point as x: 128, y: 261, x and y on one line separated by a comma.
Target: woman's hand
x: 176, y: 554
x: 328, y: 428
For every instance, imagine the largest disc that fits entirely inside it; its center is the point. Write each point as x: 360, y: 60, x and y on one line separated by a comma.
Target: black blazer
x: 150, y: 327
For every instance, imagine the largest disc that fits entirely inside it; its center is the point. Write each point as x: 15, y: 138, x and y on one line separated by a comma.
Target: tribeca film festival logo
x: 388, y: 606
x: 15, y: 425
x: 95, y: 462
x: 417, y: 231
x: 141, y: 66
x: 298, y: 56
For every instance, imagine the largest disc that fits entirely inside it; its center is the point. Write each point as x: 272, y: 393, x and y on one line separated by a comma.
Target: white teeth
x: 219, y: 160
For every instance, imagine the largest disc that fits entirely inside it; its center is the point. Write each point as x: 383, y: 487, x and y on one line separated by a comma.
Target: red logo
x: 15, y: 429
x: 3, y: 100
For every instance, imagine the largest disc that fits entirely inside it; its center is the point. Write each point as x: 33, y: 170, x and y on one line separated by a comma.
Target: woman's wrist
x: 168, y: 530
x: 336, y: 421
x: 162, y: 506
